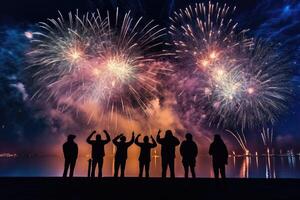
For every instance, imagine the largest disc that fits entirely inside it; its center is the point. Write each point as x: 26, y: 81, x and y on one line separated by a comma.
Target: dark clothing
x: 219, y: 169
x: 189, y: 152
x: 219, y: 154
x: 96, y: 161
x: 145, y: 156
x: 122, y: 149
x: 120, y: 163
x: 186, y: 167
x: 70, y: 150
x: 98, y: 148
x: 97, y: 153
x: 168, y: 145
x: 165, y: 163
x: 142, y: 165
x: 71, y: 164
x: 121, y: 155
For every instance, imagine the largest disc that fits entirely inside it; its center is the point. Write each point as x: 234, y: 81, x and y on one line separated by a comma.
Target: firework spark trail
x: 238, y: 82
x: 241, y: 139
x: 204, y: 32
x: 267, y: 137
x: 90, y: 58
x: 267, y: 86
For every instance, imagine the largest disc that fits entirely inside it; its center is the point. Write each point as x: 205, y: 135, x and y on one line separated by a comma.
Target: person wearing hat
x: 70, y: 150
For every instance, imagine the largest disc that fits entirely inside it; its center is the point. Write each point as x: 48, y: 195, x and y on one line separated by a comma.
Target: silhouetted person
x: 97, y: 151
x: 189, y: 152
x: 70, y: 150
x: 219, y: 153
x: 121, y: 153
x: 145, y: 154
x: 168, y: 145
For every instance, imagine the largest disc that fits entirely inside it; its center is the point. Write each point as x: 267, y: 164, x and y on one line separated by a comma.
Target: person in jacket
x: 70, y: 150
x: 97, y: 151
x: 145, y: 154
x: 168, y: 145
x: 219, y: 153
x: 121, y: 153
x: 189, y: 152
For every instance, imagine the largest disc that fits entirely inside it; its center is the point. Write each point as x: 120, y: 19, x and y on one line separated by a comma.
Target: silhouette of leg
x: 193, y: 171
x: 164, y: 165
x: 72, y: 166
x: 123, y: 164
x: 222, y: 170
x: 94, y: 163
x: 147, y: 167
x: 100, y: 164
x: 171, y: 165
x: 117, y: 166
x: 67, y: 163
x: 186, y: 170
x: 216, y: 171
x: 141, y: 165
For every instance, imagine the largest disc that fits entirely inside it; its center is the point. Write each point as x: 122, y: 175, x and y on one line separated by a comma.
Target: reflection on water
x: 255, y: 166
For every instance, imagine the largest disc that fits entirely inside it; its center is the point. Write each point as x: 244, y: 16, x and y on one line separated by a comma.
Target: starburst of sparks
x: 105, y: 60
x: 241, y: 82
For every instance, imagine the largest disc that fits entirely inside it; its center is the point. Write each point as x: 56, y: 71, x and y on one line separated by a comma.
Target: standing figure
x: 219, y: 153
x: 70, y: 150
x: 189, y: 152
x: 121, y: 153
x: 168, y: 145
x: 145, y: 154
x: 97, y: 151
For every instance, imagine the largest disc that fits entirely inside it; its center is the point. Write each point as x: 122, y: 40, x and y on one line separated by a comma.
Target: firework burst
x: 204, y: 32
x: 238, y: 82
x: 104, y: 60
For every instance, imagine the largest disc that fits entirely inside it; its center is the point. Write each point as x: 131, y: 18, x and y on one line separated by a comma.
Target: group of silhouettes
x: 188, y: 151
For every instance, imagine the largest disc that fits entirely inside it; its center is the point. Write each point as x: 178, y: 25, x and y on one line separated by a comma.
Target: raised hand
x: 94, y: 132
x: 105, y: 131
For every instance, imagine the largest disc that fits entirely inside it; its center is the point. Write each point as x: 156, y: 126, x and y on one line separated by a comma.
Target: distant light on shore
x: 8, y: 155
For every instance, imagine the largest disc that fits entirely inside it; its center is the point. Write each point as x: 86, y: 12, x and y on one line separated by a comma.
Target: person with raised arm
x: 168, y: 145
x: 145, y: 154
x: 98, y: 151
x: 121, y: 153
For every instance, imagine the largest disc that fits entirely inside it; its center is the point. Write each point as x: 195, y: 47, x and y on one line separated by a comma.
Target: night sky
x: 31, y: 126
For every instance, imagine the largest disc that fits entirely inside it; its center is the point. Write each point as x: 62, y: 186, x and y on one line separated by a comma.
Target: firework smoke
x: 235, y: 82
x: 95, y: 59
